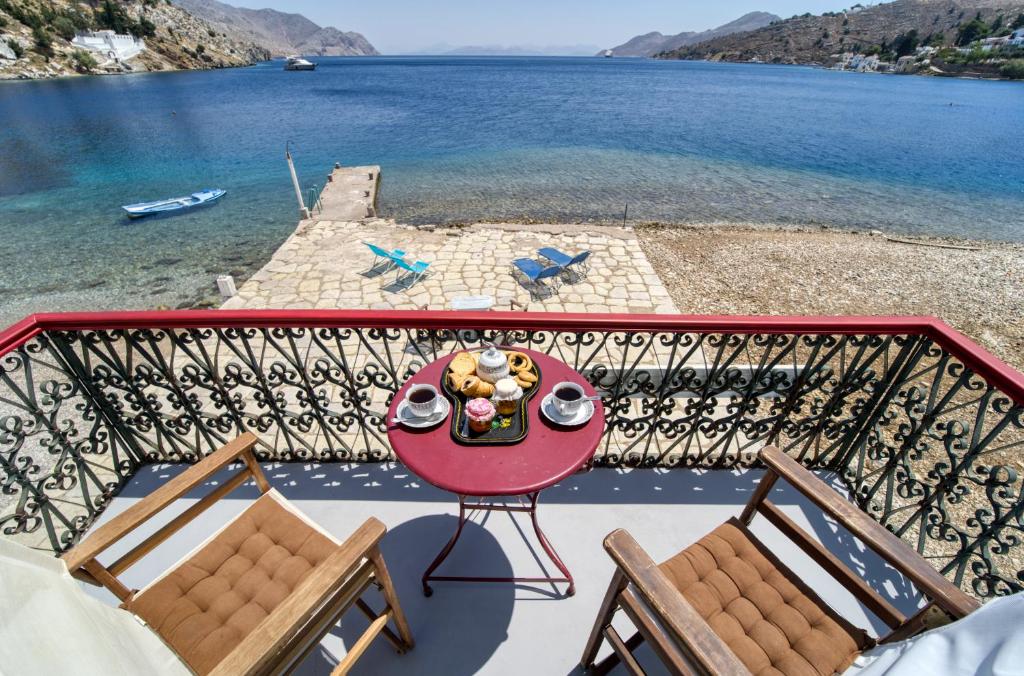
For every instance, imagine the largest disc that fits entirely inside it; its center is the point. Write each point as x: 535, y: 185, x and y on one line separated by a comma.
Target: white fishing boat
x: 298, y: 63
x: 174, y: 204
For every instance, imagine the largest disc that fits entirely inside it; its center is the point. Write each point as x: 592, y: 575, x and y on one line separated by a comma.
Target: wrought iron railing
x: 924, y: 427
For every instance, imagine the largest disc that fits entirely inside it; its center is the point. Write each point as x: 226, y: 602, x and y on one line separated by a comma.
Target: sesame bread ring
x: 517, y: 361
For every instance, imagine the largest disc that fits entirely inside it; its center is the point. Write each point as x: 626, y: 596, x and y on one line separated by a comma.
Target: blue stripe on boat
x: 174, y: 204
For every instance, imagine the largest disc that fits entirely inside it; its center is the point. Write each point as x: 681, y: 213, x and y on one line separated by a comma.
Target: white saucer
x: 582, y: 415
x: 404, y: 415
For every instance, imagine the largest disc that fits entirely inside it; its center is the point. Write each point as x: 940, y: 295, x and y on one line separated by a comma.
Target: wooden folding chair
x: 727, y: 605
x: 259, y: 594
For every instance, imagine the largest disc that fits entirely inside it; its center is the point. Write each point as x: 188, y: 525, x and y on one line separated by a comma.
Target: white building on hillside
x: 861, y: 63
x: 906, y: 64
x: 114, y: 46
x: 1017, y: 38
x: 988, y: 44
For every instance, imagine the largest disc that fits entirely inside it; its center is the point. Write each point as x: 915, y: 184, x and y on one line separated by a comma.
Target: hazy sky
x: 399, y: 26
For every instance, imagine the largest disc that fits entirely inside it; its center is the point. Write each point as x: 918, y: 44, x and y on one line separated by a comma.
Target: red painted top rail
x: 970, y: 353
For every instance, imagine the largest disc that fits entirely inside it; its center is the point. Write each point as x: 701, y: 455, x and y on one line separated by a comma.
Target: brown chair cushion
x: 772, y: 621
x: 209, y: 603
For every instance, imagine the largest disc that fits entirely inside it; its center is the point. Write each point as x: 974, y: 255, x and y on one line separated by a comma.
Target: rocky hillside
x: 812, y: 39
x: 38, y: 33
x: 655, y: 43
x: 281, y: 33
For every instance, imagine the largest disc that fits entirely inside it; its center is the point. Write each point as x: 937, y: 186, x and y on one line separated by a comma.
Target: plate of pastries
x: 490, y: 390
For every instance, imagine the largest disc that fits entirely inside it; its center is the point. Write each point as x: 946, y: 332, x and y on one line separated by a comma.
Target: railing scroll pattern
x: 928, y: 447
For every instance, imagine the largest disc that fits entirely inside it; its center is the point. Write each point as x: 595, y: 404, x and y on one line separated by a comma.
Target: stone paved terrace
x: 323, y: 265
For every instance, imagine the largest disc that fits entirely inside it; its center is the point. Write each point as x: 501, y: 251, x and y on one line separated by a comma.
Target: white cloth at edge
x: 988, y: 641
x: 50, y: 625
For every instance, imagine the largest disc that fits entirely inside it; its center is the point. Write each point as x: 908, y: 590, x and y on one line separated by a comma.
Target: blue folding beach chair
x: 579, y: 263
x: 386, y: 258
x: 536, y: 273
x: 414, y: 272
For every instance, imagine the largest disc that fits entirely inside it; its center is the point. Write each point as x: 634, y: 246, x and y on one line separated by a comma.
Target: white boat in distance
x: 162, y: 206
x: 298, y: 63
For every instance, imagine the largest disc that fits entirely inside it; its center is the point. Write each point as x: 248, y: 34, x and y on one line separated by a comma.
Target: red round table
x: 547, y: 455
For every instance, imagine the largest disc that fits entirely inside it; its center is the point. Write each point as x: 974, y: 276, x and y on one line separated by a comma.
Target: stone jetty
x: 324, y: 263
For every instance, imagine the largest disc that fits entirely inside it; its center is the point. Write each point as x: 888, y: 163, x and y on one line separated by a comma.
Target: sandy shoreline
x: 741, y: 269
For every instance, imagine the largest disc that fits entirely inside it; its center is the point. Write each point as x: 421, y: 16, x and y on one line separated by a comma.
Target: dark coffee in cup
x: 422, y: 400
x: 567, y: 398
x: 421, y: 396
x: 568, y: 393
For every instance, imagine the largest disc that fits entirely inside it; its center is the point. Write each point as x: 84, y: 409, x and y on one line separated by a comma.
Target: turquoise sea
x: 464, y: 139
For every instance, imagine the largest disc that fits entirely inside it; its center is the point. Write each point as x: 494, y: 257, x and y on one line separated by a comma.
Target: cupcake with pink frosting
x: 480, y: 413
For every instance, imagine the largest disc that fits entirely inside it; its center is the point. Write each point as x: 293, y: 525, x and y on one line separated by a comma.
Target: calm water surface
x: 464, y: 139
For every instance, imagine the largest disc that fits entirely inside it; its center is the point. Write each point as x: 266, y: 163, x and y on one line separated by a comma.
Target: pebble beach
x: 739, y: 269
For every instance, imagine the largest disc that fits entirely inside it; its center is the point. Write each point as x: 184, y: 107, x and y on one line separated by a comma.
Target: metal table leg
x: 549, y: 549
x: 446, y: 550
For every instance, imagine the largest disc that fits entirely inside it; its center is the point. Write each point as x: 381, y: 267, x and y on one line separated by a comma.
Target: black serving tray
x: 519, y: 422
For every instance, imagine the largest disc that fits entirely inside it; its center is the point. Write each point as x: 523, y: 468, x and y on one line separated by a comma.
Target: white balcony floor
x: 503, y: 628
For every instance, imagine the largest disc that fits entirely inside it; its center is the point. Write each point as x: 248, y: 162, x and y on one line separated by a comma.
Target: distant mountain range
x: 278, y: 32
x: 510, y: 50
x: 656, y: 43
x: 810, y: 39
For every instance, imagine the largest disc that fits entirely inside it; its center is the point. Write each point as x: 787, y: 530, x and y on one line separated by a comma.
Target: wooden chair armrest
x: 886, y: 544
x: 693, y: 635
x: 130, y: 519
x: 271, y: 636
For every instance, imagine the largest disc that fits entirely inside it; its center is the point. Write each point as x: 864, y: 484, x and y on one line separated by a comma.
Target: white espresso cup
x: 422, y: 400
x: 567, y: 398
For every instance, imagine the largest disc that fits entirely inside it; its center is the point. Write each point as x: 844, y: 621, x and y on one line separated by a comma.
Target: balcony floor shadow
x: 498, y: 628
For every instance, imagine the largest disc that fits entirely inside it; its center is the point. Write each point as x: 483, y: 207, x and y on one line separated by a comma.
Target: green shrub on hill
x: 43, y: 41
x: 63, y: 26
x: 78, y: 19
x: 905, y: 43
x: 21, y: 14
x: 16, y: 47
x: 144, y: 28
x: 972, y: 31
x: 1013, y: 69
x: 84, y: 61
x: 112, y: 16
x: 48, y: 12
